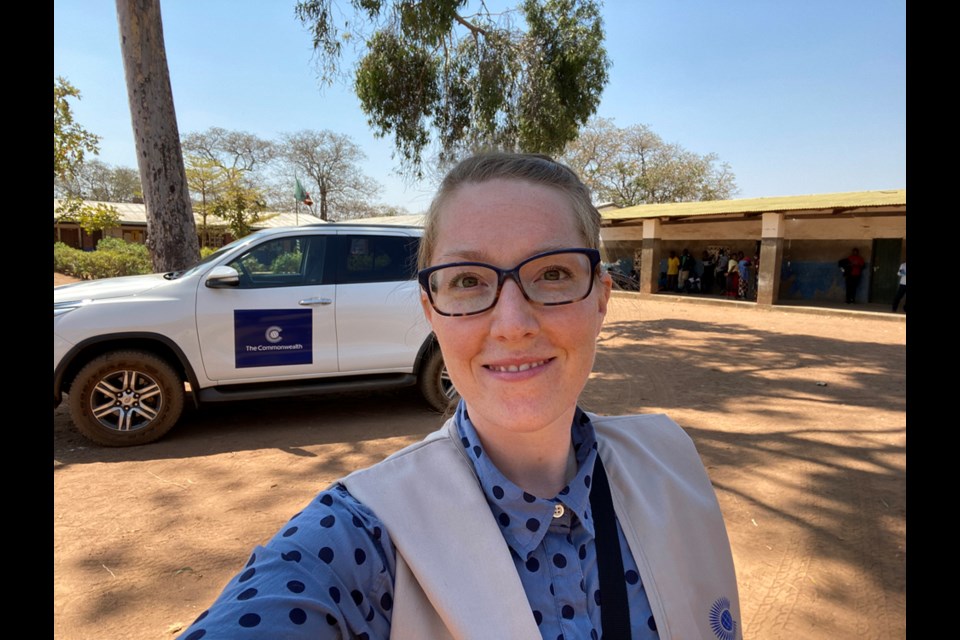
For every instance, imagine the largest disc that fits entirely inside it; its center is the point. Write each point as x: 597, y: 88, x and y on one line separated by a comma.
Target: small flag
x: 301, y: 195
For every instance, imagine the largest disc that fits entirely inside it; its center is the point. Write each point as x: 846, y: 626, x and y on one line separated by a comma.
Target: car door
x: 280, y: 321
x: 380, y: 323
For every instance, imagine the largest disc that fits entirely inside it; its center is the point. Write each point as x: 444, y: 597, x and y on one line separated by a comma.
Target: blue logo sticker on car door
x: 273, y: 337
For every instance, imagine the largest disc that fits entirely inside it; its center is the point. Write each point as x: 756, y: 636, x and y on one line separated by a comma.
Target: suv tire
x: 435, y: 383
x: 147, y: 398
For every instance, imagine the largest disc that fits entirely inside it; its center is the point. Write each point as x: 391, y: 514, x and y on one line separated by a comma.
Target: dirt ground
x: 800, y: 419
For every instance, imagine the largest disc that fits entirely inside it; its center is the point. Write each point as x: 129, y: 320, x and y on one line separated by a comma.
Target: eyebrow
x: 472, y: 255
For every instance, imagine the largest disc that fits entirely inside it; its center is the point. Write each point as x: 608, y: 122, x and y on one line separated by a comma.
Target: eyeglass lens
x: 554, y: 279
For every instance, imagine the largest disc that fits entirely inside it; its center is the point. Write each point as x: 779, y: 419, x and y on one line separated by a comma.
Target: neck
x: 540, y: 462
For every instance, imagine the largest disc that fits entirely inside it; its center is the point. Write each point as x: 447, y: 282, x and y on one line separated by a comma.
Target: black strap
x: 614, y: 607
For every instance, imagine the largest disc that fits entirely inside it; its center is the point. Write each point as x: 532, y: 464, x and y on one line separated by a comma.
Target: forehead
x: 505, y: 219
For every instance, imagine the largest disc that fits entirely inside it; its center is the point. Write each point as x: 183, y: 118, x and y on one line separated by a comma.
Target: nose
x: 513, y: 317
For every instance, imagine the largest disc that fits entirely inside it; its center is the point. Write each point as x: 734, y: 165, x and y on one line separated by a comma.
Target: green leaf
x: 433, y: 77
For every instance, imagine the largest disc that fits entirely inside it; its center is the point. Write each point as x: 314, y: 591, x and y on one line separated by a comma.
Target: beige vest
x: 454, y: 570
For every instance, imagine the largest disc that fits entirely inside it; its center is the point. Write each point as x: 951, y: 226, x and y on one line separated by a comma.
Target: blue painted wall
x: 809, y: 280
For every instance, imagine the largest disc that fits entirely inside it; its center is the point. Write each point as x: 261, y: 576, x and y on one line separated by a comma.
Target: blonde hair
x: 530, y: 167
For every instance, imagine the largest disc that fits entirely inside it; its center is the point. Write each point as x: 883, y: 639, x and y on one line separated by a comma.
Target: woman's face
x: 520, y: 367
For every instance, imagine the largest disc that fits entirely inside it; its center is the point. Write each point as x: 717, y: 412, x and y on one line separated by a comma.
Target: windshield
x: 214, y: 256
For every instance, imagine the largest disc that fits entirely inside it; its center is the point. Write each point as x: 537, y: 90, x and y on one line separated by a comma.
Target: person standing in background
x: 720, y: 271
x: 901, y: 288
x: 687, y: 264
x: 706, y: 278
x: 673, y: 271
x: 743, y: 271
x: 853, y: 273
x: 733, y: 275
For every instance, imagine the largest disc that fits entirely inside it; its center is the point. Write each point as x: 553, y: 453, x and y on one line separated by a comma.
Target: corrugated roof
x: 131, y: 213
x: 819, y: 202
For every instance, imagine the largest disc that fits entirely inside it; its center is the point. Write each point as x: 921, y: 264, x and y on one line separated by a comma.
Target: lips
x: 515, y: 368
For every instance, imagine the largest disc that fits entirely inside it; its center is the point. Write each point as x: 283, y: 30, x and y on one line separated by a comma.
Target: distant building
x: 133, y: 226
x: 798, y: 239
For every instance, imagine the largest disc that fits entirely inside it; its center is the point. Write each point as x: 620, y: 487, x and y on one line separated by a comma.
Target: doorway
x: 884, y: 262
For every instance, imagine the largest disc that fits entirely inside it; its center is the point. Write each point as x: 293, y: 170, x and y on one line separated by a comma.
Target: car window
x: 377, y: 259
x: 283, y: 262
x: 216, y: 255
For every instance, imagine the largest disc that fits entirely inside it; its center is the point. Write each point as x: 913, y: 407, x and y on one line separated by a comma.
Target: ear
x: 427, y: 307
x: 603, y: 298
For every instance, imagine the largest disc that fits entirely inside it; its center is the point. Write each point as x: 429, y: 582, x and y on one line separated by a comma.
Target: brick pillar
x: 650, y: 257
x: 771, y: 257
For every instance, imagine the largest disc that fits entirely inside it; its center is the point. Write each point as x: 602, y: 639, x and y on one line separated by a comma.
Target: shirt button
x: 558, y: 511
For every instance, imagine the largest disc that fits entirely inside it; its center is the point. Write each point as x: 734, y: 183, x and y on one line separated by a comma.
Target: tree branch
x: 474, y: 29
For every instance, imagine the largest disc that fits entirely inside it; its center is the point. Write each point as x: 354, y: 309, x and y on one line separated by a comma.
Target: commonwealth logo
x: 721, y: 620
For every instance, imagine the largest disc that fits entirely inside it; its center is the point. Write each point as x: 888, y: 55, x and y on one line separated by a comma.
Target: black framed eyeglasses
x: 548, y: 279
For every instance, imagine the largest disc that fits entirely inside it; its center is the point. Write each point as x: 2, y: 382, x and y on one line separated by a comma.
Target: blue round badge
x: 721, y: 620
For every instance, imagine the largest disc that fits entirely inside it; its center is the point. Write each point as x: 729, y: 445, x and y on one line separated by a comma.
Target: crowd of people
x: 729, y: 273
x: 734, y: 274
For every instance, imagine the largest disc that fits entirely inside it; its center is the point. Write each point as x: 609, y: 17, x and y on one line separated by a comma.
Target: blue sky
x: 798, y: 97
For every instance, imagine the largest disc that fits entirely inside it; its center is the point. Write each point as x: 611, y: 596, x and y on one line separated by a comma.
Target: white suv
x: 282, y: 312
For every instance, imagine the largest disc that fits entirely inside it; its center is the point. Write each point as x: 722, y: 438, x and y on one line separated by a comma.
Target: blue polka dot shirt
x: 329, y: 572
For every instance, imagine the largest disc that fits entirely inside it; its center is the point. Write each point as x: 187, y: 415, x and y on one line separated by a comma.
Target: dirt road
x: 800, y: 420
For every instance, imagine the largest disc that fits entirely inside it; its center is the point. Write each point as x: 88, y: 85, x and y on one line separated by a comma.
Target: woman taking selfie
x: 523, y: 516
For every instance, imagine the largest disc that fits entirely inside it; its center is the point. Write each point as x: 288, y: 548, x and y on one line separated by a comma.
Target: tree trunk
x: 323, y: 199
x: 171, y: 231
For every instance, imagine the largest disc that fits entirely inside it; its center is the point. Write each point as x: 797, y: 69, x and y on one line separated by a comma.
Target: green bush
x: 287, y: 263
x: 250, y: 264
x: 113, y: 257
x: 67, y: 260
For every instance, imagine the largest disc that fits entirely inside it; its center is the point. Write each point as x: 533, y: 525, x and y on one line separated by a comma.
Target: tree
x: 331, y: 162
x: 239, y: 205
x: 96, y: 180
x: 71, y: 143
x: 207, y: 183
x: 171, y: 231
x: 70, y: 140
x: 366, y: 209
x: 633, y: 165
x: 473, y: 80
x: 90, y: 218
x: 233, y: 151
x: 231, y: 162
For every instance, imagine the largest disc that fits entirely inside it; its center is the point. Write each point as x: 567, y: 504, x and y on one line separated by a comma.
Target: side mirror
x: 223, y: 278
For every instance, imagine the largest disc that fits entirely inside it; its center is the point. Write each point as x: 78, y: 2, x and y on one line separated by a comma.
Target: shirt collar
x: 524, y: 518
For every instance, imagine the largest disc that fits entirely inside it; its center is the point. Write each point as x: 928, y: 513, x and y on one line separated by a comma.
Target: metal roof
x: 813, y: 203
x: 131, y: 213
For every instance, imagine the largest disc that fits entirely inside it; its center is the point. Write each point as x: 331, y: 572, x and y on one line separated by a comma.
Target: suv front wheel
x: 126, y: 398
